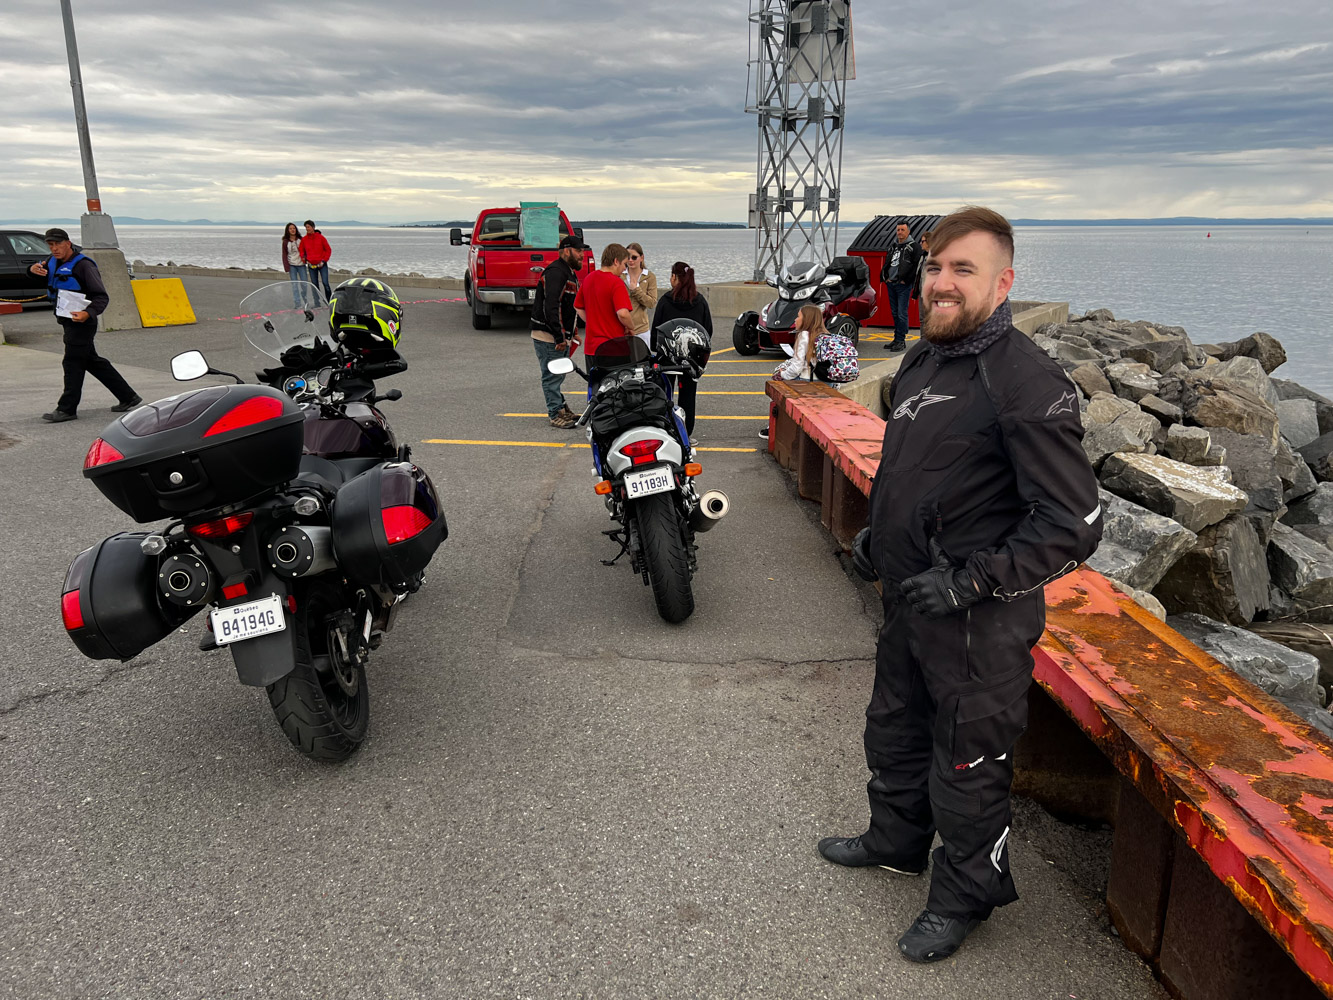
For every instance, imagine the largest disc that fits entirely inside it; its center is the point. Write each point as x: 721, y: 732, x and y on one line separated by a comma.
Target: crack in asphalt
x: 75, y: 692
x: 749, y: 661
x: 548, y: 487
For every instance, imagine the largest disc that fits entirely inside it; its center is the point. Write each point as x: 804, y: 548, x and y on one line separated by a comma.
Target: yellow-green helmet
x: 365, y: 313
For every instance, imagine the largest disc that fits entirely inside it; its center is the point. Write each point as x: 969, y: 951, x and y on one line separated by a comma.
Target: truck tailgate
x: 514, y: 268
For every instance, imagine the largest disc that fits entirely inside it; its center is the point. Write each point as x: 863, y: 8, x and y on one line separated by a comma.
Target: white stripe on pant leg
x: 999, y: 846
x: 1093, y: 516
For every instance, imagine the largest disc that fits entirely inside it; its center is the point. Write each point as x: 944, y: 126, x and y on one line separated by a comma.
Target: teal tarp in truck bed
x: 538, y: 223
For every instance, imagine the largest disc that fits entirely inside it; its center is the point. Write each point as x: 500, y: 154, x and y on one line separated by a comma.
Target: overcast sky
x: 429, y: 110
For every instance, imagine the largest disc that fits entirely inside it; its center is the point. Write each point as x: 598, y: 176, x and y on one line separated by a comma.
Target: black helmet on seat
x: 684, y: 342
x: 365, y: 313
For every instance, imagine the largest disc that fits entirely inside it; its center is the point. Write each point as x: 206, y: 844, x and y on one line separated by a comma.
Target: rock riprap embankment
x: 1217, y: 483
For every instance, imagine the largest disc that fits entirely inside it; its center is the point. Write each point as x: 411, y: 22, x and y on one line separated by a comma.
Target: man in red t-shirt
x: 603, y: 301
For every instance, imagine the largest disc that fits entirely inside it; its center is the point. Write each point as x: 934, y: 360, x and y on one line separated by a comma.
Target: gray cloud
x: 426, y: 110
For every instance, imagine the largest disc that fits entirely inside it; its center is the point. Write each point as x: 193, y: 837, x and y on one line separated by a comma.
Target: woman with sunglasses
x: 642, y: 285
x: 683, y: 301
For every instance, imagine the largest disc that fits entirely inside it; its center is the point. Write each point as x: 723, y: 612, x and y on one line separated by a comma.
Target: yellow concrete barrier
x: 162, y: 302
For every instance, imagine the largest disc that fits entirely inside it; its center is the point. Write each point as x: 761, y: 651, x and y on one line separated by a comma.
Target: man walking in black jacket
x: 899, y: 276
x: 68, y: 270
x: 983, y: 495
x: 553, y: 319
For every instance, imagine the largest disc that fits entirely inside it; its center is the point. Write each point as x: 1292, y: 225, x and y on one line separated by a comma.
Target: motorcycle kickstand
x: 621, y: 537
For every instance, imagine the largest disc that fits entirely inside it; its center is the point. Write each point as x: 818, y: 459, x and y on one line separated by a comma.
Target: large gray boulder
x: 1104, y: 440
x: 1318, y: 454
x: 1064, y: 349
x: 1249, y: 373
x: 1187, y: 444
x: 1254, y: 470
x: 1159, y: 409
x: 1091, y: 380
x: 1187, y: 494
x: 1159, y: 355
x: 1323, y: 405
x: 1284, y: 673
x: 1137, y: 546
x: 1267, y: 350
x: 1301, y: 567
x: 1317, y: 508
x: 1225, y: 575
x: 1298, y: 482
x: 1106, y: 408
x: 1220, y: 402
x: 1298, y: 420
x: 1131, y: 380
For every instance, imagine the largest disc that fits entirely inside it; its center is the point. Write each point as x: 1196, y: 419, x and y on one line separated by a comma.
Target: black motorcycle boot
x: 933, y: 937
x: 851, y: 852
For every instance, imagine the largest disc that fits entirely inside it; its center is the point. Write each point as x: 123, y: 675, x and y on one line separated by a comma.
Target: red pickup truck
x: 501, y: 272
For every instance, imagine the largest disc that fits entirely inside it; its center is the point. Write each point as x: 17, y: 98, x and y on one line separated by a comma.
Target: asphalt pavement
x: 561, y: 795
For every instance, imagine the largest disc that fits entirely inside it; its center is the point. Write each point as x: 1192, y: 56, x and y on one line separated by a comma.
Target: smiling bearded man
x: 983, y: 495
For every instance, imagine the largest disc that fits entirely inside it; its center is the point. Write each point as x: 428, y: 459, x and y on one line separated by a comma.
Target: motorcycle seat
x: 333, y: 473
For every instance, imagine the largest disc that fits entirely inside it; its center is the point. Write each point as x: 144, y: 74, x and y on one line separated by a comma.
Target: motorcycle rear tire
x: 321, y: 719
x: 665, y: 555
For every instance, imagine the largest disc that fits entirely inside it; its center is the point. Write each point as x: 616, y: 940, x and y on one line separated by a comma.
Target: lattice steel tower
x: 800, y: 62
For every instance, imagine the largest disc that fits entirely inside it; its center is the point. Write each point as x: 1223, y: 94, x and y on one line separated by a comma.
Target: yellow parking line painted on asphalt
x: 731, y: 392
x: 550, y: 444
x: 766, y: 374
x: 723, y: 351
x: 699, y: 417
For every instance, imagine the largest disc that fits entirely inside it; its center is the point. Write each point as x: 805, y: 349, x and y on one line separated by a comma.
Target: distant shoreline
x: 129, y: 220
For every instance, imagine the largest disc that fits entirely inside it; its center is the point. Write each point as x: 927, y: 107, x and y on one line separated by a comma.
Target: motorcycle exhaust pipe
x: 185, y: 580
x: 299, y: 550
x: 713, y: 507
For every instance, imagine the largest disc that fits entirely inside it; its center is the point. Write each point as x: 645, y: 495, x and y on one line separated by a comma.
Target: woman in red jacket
x: 316, y: 251
x: 293, y: 262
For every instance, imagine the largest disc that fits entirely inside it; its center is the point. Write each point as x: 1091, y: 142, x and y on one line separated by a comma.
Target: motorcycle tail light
x: 101, y: 453
x: 642, y: 452
x: 253, y: 411
x: 70, y: 612
x: 223, y: 526
x: 235, y: 590
x: 402, y: 523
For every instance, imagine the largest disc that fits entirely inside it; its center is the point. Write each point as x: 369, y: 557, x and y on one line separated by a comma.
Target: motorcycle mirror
x: 560, y: 366
x: 831, y: 279
x: 189, y: 366
x: 771, y: 282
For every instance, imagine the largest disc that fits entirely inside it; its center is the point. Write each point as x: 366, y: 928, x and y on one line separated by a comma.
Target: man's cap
x: 574, y: 243
x: 56, y: 236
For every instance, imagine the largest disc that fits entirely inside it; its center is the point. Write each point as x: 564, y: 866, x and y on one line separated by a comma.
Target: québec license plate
x: 246, y: 621
x: 648, y: 482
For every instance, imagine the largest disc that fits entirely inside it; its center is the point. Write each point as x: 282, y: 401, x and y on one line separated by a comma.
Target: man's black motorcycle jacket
x: 982, y: 452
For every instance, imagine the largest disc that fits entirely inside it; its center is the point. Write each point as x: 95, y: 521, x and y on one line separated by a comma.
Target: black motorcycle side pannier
x: 629, y: 404
x: 110, y: 602
x: 197, y: 451
x: 387, y: 524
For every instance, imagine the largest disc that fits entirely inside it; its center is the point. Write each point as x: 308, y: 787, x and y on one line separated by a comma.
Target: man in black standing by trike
x: 983, y: 495
x: 68, y: 270
x: 899, y: 274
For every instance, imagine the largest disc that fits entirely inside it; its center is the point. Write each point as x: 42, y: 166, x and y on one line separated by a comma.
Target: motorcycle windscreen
x: 619, y: 351
x: 284, y: 315
x: 781, y: 313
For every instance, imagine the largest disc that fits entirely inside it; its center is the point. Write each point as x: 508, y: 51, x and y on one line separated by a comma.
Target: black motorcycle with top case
x: 295, y: 515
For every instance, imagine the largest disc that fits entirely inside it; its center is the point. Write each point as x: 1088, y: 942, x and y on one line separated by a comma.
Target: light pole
x: 99, y: 232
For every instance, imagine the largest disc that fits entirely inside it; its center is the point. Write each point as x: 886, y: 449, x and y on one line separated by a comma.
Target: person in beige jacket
x: 642, y: 285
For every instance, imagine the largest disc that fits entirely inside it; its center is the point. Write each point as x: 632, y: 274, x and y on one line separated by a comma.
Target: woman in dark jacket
x: 684, y: 302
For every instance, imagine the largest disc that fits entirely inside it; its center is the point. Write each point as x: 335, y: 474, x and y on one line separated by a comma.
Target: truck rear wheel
x: 480, y: 321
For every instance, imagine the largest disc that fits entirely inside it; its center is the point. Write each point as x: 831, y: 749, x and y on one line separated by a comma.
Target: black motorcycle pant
x: 81, y: 358
x: 949, y: 702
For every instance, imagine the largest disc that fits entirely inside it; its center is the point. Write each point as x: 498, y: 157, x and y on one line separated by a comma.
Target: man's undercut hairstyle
x: 973, y: 219
x: 614, y: 253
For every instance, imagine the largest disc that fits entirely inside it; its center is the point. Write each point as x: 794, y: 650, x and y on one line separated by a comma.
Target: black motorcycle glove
x: 941, y: 590
x: 865, y: 569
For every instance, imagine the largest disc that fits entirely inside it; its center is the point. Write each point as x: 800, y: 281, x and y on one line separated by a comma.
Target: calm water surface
x: 1218, y: 287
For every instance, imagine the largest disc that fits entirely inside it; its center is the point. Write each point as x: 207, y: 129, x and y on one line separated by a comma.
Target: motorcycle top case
x: 197, y: 451
x: 387, y: 524
x: 110, y: 602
